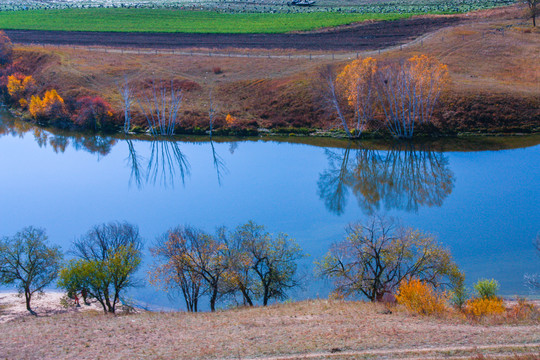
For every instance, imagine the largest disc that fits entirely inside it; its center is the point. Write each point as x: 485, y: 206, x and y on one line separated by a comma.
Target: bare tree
x: 29, y: 262
x: 162, y: 108
x: 532, y: 9
x: 327, y: 74
x: 374, y: 258
x: 126, y: 93
x: 211, y: 111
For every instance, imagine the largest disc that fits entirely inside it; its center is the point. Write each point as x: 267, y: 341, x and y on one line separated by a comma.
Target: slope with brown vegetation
x: 309, y: 329
x: 492, y: 59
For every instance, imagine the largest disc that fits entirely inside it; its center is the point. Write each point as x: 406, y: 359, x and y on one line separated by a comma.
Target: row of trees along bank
x: 246, y: 263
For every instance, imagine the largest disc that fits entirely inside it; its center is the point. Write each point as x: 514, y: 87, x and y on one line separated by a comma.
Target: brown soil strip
x: 368, y: 35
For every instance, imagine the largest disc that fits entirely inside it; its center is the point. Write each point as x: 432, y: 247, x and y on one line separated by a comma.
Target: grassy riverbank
x: 314, y: 329
x: 493, y: 89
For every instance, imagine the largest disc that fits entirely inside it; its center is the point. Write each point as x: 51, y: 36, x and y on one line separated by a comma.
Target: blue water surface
x: 483, y: 205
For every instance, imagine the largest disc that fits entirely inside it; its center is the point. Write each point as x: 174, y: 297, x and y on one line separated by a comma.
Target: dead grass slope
x: 317, y: 328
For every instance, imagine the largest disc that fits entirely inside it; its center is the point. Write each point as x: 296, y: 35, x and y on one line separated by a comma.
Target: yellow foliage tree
x: 18, y: 85
x: 430, y: 77
x: 357, y: 83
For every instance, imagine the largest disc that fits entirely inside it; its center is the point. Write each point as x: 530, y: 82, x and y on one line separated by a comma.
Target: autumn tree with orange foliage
x: 50, y: 107
x: 377, y: 256
x: 403, y: 94
x: 408, y: 92
x: 357, y: 83
x: 20, y: 85
x: 172, y: 271
x: 190, y: 259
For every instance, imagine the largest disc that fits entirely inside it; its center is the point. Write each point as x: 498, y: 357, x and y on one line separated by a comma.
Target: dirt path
x: 418, y: 353
x: 368, y: 35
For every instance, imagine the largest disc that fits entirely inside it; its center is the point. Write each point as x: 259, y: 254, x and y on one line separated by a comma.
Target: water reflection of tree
x: 165, y: 165
x: 405, y: 178
x: 93, y: 143
x: 219, y: 163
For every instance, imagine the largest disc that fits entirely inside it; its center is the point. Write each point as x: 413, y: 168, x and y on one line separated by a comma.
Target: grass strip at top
x: 162, y: 20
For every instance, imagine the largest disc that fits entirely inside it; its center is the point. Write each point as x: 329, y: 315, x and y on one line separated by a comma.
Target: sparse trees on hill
x: 29, y: 262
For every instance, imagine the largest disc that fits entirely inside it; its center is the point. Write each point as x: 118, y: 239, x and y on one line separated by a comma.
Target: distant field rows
x: 170, y: 21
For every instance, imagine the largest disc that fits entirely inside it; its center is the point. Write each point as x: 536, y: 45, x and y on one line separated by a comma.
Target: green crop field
x: 162, y: 20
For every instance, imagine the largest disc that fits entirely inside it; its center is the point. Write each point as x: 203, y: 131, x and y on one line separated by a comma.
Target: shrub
x: 92, y: 113
x: 18, y: 85
x: 421, y: 298
x: 51, y: 106
x: 486, y: 288
x: 230, y: 120
x: 523, y: 310
x: 459, y: 292
x: 481, y: 307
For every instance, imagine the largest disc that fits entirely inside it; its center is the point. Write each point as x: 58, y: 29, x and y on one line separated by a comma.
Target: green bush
x: 486, y: 289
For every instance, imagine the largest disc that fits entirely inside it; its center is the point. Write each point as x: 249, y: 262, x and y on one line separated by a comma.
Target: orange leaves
x: 419, y: 297
x: 50, y: 103
x: 480, y: 307
x: 355, y: 76
x: 18, y: 85
x: 429, y: 72
x: 230, y: 120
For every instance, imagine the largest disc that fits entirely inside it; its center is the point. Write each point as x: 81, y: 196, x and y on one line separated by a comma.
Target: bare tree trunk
x: 28, y: 298
x: 331, y: 89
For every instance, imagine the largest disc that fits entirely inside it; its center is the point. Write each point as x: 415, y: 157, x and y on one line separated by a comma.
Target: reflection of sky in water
x: 488, y: 218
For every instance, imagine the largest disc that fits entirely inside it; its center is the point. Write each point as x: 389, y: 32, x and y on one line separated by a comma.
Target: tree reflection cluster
x: 403, y: 178
x: 166, y: 164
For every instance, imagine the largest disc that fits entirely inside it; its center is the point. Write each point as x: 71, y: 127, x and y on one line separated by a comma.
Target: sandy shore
x: 13, y: 306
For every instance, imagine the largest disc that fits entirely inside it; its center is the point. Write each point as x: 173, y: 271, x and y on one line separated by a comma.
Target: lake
x: 479, y: 196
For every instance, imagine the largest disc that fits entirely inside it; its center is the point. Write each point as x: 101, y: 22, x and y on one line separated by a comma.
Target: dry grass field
x: 316, y: 329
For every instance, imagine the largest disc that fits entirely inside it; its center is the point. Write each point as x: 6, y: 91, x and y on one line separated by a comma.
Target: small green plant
x: 459, y: 292
x: 486, y: 289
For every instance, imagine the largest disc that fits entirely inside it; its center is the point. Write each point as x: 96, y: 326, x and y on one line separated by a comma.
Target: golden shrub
x: 230, y: 120
x: 23, y: 103
x: 18, y: 84
x: 481, y: 307
x: 421, y: 298
x: 43, y: 107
